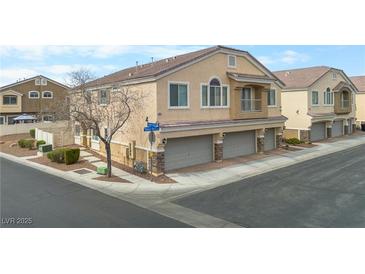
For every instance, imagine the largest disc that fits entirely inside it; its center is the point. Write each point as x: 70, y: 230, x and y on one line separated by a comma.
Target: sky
x: 55, y: 62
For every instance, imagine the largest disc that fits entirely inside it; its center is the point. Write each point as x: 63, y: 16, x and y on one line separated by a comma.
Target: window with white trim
x: 77, y: 130
x: 10, y: 100
x: 47, y: 94
x: 178, y: 95
x: 328, y: 97
x: 271, y: 97
x: 33, y: 94
x: 214, y: 94
x: 103, y: 97
x: 315, y: 98
x: 94, y: 137
x: 334, y: 76
x: 231, y: 61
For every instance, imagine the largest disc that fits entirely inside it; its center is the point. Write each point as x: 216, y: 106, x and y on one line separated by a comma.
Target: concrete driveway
x: 328, y: 191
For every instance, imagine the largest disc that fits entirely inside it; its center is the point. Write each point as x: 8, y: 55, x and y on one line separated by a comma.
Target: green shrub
x: 293, y: 141
x: 21, y: 142
x: 40, y: 142
x: 72, y: 155
x: 32, y: 133
x: 26, y: 143
x: 58, y: 155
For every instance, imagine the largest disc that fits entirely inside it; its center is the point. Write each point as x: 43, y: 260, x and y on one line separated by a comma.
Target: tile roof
x: 359, y: 82
x: 301, y: 78
x: 157, y: 68
x: 154, y: 68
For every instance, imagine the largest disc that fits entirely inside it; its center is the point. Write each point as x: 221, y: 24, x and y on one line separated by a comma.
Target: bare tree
x: 100, y: 109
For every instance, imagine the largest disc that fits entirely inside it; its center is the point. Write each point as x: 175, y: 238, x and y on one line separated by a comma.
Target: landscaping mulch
x: 114, y: 179
x: 79, y: 165
x: 162, y: 179
x: 7, y: 140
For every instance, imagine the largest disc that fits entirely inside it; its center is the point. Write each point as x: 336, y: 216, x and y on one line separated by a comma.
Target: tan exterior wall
x: 275, y: 111
x: 295, y: 108
x: 10, y: 108
x: 290, y: 133
x: 41, y: 105
x: 326, y: 82
x: 360, y: 107
x: 133, y: 129
x: 195, y: 75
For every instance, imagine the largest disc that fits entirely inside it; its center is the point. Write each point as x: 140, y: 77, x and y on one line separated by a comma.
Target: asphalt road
x: 31, y: 198
x: 325, y: 192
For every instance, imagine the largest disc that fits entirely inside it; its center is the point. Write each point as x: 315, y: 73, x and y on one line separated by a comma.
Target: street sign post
x: 151, y: 127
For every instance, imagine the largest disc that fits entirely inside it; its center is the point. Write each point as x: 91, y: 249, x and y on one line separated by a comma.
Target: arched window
x: 215, y: 94
x: 47, y: 94
x: 328, y: 97
x: 33, y: 94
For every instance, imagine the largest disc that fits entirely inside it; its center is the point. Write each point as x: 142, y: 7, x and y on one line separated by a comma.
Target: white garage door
x: 318, y: 131
x: 239, y: 144
x: 189, y: 151
x: 269, y: 140
x: 337, y: 128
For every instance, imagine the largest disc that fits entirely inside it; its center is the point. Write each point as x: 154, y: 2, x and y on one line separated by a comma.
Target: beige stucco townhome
x: 319, y: 103
x: 212, y: 104
x: 359, y: 82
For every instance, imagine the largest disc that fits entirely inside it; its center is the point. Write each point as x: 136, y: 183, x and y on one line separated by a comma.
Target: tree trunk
x: 108, y: 158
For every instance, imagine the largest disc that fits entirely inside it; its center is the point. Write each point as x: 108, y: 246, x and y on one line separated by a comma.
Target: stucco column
x: 278, y: 137
x: 88, y: 138
x: 304, y: 135
x: 346, y: 127
x: 260, y: 140
x: 83, y: 137
x: 158, y: 160
x: 218, y: 147
x: 329, y: 129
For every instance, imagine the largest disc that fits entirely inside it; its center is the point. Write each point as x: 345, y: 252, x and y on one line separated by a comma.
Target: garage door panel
x: 337, y: 128
x: 318, y: 131
x: 239, y: 144
x: 269, y: 140
x: 189, y: 151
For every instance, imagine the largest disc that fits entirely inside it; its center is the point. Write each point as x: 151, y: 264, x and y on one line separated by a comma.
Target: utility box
x: 45, y: 148
x: 102, y: 170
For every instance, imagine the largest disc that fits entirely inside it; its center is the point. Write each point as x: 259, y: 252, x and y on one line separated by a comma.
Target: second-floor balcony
x: 343, y: 102
x: 251, y: 105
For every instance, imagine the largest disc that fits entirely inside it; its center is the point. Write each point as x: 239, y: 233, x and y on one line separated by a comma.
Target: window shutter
x: 107, y: 92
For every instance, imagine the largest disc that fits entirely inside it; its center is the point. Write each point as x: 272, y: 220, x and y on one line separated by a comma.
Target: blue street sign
x: 152, y: 127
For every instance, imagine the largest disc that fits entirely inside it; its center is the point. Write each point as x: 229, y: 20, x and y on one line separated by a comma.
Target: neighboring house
x: 319, y: 103
x: 212, y: 104
x: 38, y: 96
x: 359, y: 82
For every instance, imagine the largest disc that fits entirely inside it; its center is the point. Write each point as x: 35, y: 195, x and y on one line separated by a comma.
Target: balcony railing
x: 345, y: 103
x: 250, y: 105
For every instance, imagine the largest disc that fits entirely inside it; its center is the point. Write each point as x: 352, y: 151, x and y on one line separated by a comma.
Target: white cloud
x: 291, y: 57
x: 287, y: 57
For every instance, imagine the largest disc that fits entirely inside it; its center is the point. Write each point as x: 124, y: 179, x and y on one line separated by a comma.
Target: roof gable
x: 32, y: 79
x: 161, y: 68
